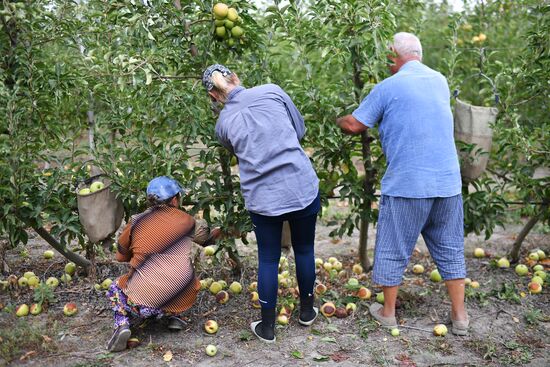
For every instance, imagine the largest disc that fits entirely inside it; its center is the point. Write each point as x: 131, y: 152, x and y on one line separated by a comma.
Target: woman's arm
x: 203, y: 235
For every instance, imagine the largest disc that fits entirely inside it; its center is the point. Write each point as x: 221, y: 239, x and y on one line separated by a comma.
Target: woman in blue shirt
x: 263, y: 128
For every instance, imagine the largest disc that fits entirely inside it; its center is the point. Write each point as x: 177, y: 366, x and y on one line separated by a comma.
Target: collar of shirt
x: 410, y: 64
x: 234, y: 92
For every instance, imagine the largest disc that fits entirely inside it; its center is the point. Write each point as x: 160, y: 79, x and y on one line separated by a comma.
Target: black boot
x: 265, y: 329
x: 308, y: 313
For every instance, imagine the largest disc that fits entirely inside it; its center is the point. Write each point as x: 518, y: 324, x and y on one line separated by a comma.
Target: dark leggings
x: 268, y: 234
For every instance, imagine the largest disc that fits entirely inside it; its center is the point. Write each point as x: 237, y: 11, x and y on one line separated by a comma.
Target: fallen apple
x: 132, y: 343
x: 328, y: 309
x: 23, y: 282
x: 418, y: 269
x: 395, y: 332
x: 222, y: 297
x: 542, y: 254
x: 35, y: 309
x: 66, y: 278
x: 503, y: 263
x: 351, y: 307
x: 70, y: 309
x: 534, y: 256
x: 211, y: 326
x: 320, y: 289
x: 474, y: 284
x: 253, y: 286
x: 70, y: 268
x: 332, y: 260
x: 256, y: 304
x: 209, y: 250
x: 282, y: 320
x: 318, y: 262
x: 539, y: 273
x: 435, y: 276
x: 254, y: 296
x: 535, y: 288
x: 353, y: 282
x: 364, y: 293
x: 97, y: 287
x: 236, y: 288
x: 223, y: 283
x: 215, y: 287
x: 538, y: 267
x: 22, y: 310
x: 380, y: 297
x: 537, y: 279
x: 52, y: 282
x: 106, y: 283
x: 467, y: 281
x: 33, y: 281
x: 96, y: 186
x: 357, y: 269
x: 479, y: 252
x: 337, y: 265
x: 521, y: 270
x: 341, y: 313
x: 327, y: 266
x: 211, y: 350
x: 440, y: 330
x: 48, y: 254
x: 28, y: 274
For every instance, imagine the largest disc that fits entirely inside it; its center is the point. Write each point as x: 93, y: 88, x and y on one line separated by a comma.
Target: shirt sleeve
x: 295, y: 116
x: 123, y: 243
x: 222, y: 138
x: 371, y: 109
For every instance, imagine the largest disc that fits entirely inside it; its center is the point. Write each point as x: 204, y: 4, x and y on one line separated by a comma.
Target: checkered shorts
x: 402, y: 220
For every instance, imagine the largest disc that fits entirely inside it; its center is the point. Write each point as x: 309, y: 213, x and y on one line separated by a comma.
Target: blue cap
x: 164, y: 188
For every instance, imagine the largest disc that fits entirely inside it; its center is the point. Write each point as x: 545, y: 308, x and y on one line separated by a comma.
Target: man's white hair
x: 407, y: 44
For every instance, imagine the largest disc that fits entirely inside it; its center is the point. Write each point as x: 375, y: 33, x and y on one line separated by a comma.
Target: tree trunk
x: 286, y: 239
x: 4, y: 268
x: 514, y: 253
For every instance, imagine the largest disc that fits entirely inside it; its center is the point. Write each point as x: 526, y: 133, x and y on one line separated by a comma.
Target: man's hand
x: 350, y: 125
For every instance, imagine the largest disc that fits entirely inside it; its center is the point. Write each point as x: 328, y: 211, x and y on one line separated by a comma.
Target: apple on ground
x: 28, y: 274
x: 223, y: 283
x: 364, y: 293
x: 253, y: 286
x: 320, y: 289
x: 222, y: 297
x: 539, y: 273
x: 215, y: 287
x: 236, y: 288
x: 106, y: 283
x: 256, y: 304
x: 537, y: 279
x: 211, y: 350
x: 52, y: 282
x: 535, y: 288
x: 33, y: 281
x: 282, y: 320
x: 474, y: 284
x: 467, y: 281
x: 22, y: 310
x: 418, y: 269
x: 395, y: 332
x: 503, y: 263
x: 48, y: 254
x: 70, y: 268
x: 132, y: 343
x: 380, y: 297
x: 66, y: 278
x: 542, y: 254
x: 70, y: 309
x: 351, y: 307
x: 97, y: 287
x: 521, y: 269
x: 341, y: 313
x: 332, y: 260
x: 538, y: 267
x: 23, y: 282
x: 35, y: 309
x: 337, y: 265
x: 357, y: 269
x: 328, y: 309
x: 479, y: 252
x: 318, y: 262
x: 209, y: 250
x: 254, y: 296
x: 440, y: 330
x: 353, y: 282
x: 211, y: 326
x: 435, y: 276
x: 534, y: 256
x: 327, y: 266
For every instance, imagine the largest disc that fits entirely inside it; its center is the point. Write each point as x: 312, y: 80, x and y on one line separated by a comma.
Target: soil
x: 509, y: 326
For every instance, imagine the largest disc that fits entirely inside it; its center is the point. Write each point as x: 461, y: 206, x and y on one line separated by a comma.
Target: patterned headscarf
x: 207, y: 75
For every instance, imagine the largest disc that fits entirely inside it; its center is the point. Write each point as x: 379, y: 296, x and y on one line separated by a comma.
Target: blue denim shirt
x: 263, y: 128
x: 413, y: 113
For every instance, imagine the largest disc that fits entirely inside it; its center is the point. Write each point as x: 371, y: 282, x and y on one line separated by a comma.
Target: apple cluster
x: 227, y: 24
x: 95, y: 186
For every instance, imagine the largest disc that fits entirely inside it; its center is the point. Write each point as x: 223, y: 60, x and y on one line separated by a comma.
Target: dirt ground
x: 509, y: 326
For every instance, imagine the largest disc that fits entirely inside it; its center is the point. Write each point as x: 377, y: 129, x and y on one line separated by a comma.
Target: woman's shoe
x: 308, y: 313
x: 120, y: 337
x: 265, y: 328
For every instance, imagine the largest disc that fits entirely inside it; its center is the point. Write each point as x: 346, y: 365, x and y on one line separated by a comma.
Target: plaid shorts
x: 402, y: 220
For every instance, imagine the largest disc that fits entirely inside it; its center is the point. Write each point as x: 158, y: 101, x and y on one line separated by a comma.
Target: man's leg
x: 444, y: 236
x: 399, y: 223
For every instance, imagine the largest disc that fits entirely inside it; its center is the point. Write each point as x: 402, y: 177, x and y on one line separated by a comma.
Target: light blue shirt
x: 263, y: 128
x: 413, y: 113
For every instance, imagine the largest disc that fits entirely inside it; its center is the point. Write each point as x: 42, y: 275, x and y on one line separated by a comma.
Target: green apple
x: 539, y: 273
x: 228, y: 24
x: 97, y: 287
x: 534, y: 256
x: 23, y: 282
x: 380, y: 297
x: 357, y: 269
x: 418, y: 269
x: 237, y: 32
x: 232, y: 14
x: 106, y: 283
x: 327, y: 266
x: 503, y: 263
x: 395, y: 332
x: 467, y: 281
x: 70, y: 268
x: 440, y: 330
x: 319, y: 262
x: 435, y: 276
x: 35, y: 309
x: 351, y: 307
x: 337, y: 265
x: 253, y: 287
x: 282, y: 320
x: 211, y: 326
x: 223, y: 283
x: 33, y: 281
x: 220, y: 32
x: 22, y: 310
x: 85, y: 191
x: 211, y: 350
x: 48, y: 254
x: 70, y: 309
x: 535, y: 288
x: 521, y: 270
x: 537, y: 279
x: 220, y: 10
x: 542, y: 254
x: 353, y: 282
x: 215, y: 287
x: 28, y: 274
x: 66, y: 278
x: 52, y: 282
x: 538, y: 267
x: 479, y: 252
x: 96, y: 186
x: 209, y: 250
x: 236, y: 288
x: 332, y: 260
x: 474, y: 284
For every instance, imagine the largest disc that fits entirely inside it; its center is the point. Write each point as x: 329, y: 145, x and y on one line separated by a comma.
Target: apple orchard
x: 98, y: 97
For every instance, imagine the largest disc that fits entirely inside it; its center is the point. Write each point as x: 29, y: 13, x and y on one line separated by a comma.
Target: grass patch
x: 25, y: 336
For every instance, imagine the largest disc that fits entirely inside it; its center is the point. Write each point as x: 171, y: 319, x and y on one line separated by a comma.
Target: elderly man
x: 421, y: 189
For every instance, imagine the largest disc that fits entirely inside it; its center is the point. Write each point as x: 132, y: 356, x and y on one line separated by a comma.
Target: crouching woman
x: 161, y: 281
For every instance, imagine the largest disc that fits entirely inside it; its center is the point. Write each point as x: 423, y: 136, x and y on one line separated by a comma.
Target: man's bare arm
x: 350, y: 125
